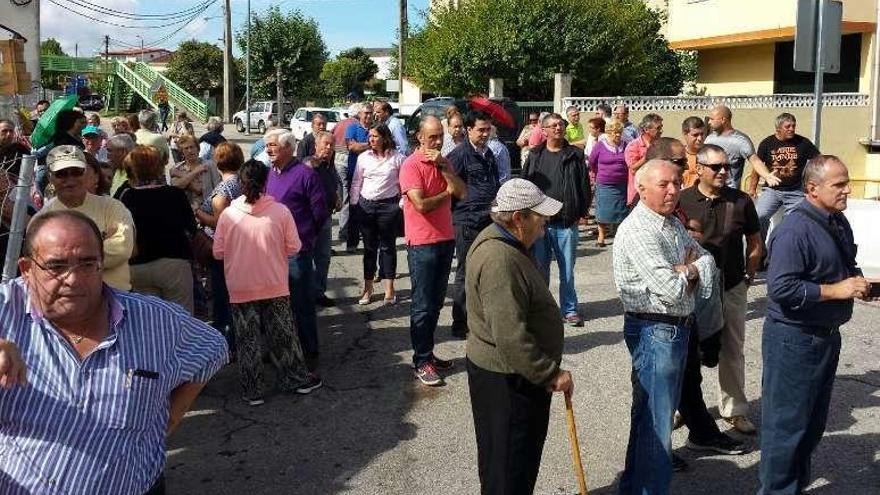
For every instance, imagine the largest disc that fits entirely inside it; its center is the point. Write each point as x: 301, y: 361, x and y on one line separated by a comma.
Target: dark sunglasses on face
x: 69, y: 172
x: 681, y: 162
x: 716, y: 167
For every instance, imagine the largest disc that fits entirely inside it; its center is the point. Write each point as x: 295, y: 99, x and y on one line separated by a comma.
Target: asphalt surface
x: 372, y: 429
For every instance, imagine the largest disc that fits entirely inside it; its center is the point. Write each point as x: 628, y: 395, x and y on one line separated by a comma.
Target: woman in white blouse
x: 375, y: 198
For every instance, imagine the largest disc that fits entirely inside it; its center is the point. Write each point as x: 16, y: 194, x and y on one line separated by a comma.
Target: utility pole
x: 247, y: 74
x: 819, y: 80
x: 400, y: 51
x: 75, y: 50
x: 228, y: 94
x: 106, y: 54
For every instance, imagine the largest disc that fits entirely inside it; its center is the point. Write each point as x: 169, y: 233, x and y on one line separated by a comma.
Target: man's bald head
x: 430, y: 133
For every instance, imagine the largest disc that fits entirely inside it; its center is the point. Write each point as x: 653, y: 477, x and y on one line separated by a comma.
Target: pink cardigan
x: 254, y: 242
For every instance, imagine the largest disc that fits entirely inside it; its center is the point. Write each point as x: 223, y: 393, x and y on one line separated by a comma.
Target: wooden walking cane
x: 575, y: 446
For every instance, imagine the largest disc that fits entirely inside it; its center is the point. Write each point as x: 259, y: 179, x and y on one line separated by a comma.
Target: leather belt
x: 662, y: 318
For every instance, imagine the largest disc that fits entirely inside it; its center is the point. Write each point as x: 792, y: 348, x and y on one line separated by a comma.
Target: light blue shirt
x: 398, y: 132
x: 97, y: 425
x: 502, y: 159
x: 630, y: 133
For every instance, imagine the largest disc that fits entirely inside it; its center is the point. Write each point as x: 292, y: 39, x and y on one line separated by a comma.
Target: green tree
x: 51, y: 79
x: 291, y: 40
x: 609, y: 48
x: 350, y: 71
x: 197, y: 66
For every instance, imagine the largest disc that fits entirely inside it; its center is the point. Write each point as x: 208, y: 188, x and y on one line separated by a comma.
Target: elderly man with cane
x: 514, y: 347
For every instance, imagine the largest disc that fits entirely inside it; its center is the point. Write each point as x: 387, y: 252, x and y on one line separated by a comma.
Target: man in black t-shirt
x: 784, y: 154
x: 727, y: 215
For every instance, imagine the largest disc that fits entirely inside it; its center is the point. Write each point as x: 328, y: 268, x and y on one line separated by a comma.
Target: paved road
x: 373, y: 430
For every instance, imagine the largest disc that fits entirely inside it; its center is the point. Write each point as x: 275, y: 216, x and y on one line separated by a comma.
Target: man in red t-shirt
x: 428, y: 184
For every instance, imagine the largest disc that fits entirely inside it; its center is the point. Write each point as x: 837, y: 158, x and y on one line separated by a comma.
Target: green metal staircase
x: 138, y: 78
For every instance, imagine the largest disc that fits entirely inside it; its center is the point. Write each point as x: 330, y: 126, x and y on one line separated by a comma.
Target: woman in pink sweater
x: 254, y: 237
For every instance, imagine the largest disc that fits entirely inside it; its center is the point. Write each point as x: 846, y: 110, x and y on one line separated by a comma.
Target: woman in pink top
x: 375, y: 196
x: 254, y: 237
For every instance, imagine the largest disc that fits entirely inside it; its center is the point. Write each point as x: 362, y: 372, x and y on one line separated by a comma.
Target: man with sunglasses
x: 727, y: 215
x: 67, y: 169
x: 92, y: 380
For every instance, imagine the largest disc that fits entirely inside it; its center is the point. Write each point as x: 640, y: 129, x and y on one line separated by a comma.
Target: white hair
x: 214, y: 123
x: 283, y: 136
x: 643, y: 171
x: 147, y: 119
x: 355, y: 109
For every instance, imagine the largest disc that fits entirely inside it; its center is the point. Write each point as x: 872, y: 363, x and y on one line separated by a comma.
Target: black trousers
x: 510, y: 421
x: 700, y: 423
x: 464, y: 238
x: 378, y: 222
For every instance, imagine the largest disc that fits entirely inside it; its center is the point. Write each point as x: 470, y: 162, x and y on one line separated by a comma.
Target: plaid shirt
x: 646, y: 248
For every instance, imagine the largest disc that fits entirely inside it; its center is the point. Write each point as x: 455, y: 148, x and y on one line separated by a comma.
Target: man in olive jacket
x: 514, y: 347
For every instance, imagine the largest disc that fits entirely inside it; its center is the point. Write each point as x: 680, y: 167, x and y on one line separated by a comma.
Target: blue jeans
x: 300, y: 277
x: 322, y: 256
x: 769, y: 202
x: 561, y: 241
x: 659, y: 352
x: 799, y: 371
x: 429, y: 267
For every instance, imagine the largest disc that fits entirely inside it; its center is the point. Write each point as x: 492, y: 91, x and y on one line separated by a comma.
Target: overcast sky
x: 343, y: 23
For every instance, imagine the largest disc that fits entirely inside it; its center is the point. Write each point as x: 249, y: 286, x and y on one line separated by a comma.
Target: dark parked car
x: 437, y: 107
x: 94, y: 102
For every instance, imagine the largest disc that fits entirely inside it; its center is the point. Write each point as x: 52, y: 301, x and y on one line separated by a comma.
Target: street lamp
x: 142, y: 46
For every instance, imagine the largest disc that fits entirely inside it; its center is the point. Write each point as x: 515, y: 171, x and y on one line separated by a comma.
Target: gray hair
x: 652, y: 119
x: 550, y: 116
x: 319, y: 116
x: 322, y: 135
x: 505, y: 218
x: 783, y: 118
x: 572, y: 108
x: 283, y: 136
x: 354, y: 109
x: 147, y: 119
x: 643, y: 172
x: 214, y: 123
x: 816, y: 168
x: 703, y: 154
x: 121, y: 141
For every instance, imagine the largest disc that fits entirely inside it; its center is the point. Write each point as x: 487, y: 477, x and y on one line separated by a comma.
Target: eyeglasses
x: 533, y: 120
x: 716, y: 167
x: 681, y: 162
x: 69, y: 172
x: 555, y: 124
x: 59, y: 269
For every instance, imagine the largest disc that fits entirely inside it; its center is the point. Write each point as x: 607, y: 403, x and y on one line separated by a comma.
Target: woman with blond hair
x: 163, y: 222
x: 608, y: 164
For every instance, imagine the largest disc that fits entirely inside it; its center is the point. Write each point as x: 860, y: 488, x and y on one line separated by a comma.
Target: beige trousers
x: 167, y: 278
x: 731, y: 361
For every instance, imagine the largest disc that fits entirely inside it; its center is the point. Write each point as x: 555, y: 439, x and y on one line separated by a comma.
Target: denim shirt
x: 803, y: 255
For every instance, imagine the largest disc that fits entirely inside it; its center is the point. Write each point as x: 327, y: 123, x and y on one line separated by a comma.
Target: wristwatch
x: 749, y: 279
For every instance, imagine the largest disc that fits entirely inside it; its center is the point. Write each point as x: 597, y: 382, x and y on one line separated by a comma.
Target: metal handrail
x: 76, y: 64
x: 135, y: 82
x: 196, y: 107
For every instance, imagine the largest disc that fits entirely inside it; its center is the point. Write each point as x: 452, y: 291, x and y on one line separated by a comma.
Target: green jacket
x: 513, y: 319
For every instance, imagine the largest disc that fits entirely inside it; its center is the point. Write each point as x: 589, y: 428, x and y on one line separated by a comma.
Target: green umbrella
x: 45, y: 127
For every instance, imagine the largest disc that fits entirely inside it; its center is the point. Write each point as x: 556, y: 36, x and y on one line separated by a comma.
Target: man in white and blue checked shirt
x: 92, y: 379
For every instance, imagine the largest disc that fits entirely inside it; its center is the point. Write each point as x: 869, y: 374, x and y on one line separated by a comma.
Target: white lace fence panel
x: 673, y: 103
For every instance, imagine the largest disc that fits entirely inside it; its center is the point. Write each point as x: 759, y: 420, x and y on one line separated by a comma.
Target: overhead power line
x: 143, y: 17
x: 126, y: 26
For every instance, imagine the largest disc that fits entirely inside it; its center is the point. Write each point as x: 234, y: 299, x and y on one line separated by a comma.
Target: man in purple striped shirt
x: 298, y: 187
x: 94, y: 379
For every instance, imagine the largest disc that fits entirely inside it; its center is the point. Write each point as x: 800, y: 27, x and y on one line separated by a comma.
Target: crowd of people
x: 138, y: 212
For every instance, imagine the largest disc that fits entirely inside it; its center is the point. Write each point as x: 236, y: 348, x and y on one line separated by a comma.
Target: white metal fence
x: 673, y: 103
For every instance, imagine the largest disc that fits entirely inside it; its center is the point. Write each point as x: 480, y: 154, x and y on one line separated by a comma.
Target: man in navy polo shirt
x: 811, y: 283
x: 474, y: 163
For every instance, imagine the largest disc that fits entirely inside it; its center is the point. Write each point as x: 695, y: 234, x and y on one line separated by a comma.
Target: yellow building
x: 745, y: 49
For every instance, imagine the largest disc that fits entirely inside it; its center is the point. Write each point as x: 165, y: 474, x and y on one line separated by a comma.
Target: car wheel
x: 239, y: 126
x: 261, y: 127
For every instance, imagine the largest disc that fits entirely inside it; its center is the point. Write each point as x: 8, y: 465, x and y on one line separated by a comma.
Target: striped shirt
x: 97, y: 425
x: 646, y: 248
